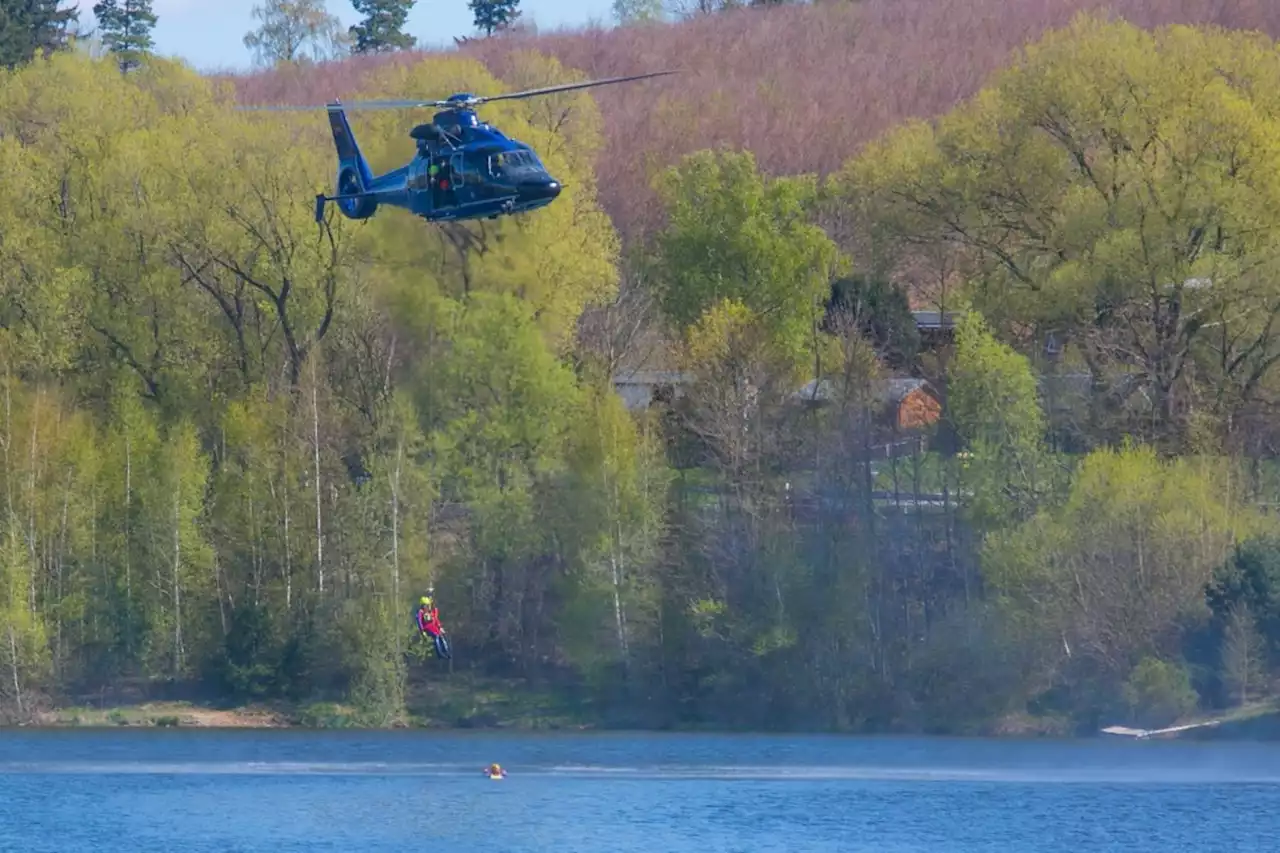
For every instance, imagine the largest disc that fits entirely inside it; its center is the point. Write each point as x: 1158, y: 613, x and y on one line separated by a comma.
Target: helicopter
x: 464, y: 169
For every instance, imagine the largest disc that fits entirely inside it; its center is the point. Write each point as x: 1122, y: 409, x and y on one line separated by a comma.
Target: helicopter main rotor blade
x: 253, y: 108
x: 460, y: 104
x: 354, y: 105
x: 390, y: 105
x: 566, y: 87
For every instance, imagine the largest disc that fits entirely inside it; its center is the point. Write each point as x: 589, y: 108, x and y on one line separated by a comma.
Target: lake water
x: 191, y: 791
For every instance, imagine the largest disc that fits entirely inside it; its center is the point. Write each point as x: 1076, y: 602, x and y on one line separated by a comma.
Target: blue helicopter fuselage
x: 464, y: 169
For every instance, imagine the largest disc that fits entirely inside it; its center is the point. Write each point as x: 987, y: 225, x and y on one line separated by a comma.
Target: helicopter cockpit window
x: 512, y: 163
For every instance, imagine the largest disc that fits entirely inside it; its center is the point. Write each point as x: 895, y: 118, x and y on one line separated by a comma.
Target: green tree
x: 1159, y: 693
x: 1250, y: 580
x: 1160, y: 270
x: 24, y: 646
x: 500, y: 405
x: 994, y: 407
x: 638, y: 11
x: 1117, y: 571
x: 493, y: 16
x: 880, y: 312
x: 1244, y: 655
x: 126, y: 27
x: 740, y: 374
x: 383, y: 26
x: 31, y: 27
x: 733, y: 234
x: 293, y: 31
x: 612, y: 519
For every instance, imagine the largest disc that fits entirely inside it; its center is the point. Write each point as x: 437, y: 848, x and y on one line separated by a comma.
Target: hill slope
x: 802, y: 86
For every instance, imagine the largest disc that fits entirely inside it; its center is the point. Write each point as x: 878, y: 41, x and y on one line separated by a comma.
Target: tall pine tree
x: 382, y: 29
x: 28, y: 27
x: 494, y: 15
x: 126, y: 29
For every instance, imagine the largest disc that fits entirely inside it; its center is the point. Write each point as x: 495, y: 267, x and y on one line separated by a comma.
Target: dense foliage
x: 236, y: 446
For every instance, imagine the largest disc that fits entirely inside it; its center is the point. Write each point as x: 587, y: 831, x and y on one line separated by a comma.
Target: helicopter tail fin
x: 355, y: 178
x: 345, y: 142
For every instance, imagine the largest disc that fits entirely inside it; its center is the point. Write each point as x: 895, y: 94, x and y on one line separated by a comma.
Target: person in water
x: 429, y: 626
x: 495, y: 771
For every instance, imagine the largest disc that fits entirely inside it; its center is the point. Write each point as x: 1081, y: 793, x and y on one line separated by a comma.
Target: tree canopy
x: 728, y: 464
x: 126, y: 29
x: 382, y: 28
x: 494, y: 15
x: 33, y: 27
x: 1115, y: 186
x: 294, y: 31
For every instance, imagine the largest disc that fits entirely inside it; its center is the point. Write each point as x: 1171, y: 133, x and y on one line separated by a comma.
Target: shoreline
x: 457, y: 702
x: 324, y: 716
x: 485, y: 704
x: 329, y: 715
x: 185, y: 715
x: 319, y: 715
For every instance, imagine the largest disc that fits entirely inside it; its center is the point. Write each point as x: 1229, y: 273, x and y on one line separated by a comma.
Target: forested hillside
x: 236, y: 446
x: 802, y: 85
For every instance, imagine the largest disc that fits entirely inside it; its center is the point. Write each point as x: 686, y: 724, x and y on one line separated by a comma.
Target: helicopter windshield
x: 514, y: 163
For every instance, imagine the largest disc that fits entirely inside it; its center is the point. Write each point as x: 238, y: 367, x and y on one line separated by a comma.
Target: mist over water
x: 117, y: 791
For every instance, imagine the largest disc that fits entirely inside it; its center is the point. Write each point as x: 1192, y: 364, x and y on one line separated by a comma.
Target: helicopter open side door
x: 463, y: 183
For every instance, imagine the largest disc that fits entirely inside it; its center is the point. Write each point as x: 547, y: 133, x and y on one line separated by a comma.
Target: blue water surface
x: 257, y: 791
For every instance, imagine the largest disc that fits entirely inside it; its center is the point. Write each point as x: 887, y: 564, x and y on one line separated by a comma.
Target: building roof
x: 635, y: 387
x: 934, y: 319
x: 893, y: 389
x: 652, y: 377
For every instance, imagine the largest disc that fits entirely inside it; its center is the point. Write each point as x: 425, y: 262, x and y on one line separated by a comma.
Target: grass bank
x: 459, y: 702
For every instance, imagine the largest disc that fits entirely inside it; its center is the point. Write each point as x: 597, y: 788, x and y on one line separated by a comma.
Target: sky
x: 210, y: 33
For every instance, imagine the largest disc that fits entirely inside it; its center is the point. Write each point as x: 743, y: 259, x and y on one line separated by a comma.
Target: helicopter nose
x: 540, y: 190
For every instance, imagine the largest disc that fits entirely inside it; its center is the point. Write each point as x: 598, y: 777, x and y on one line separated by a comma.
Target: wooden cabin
x: 910, y: 403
